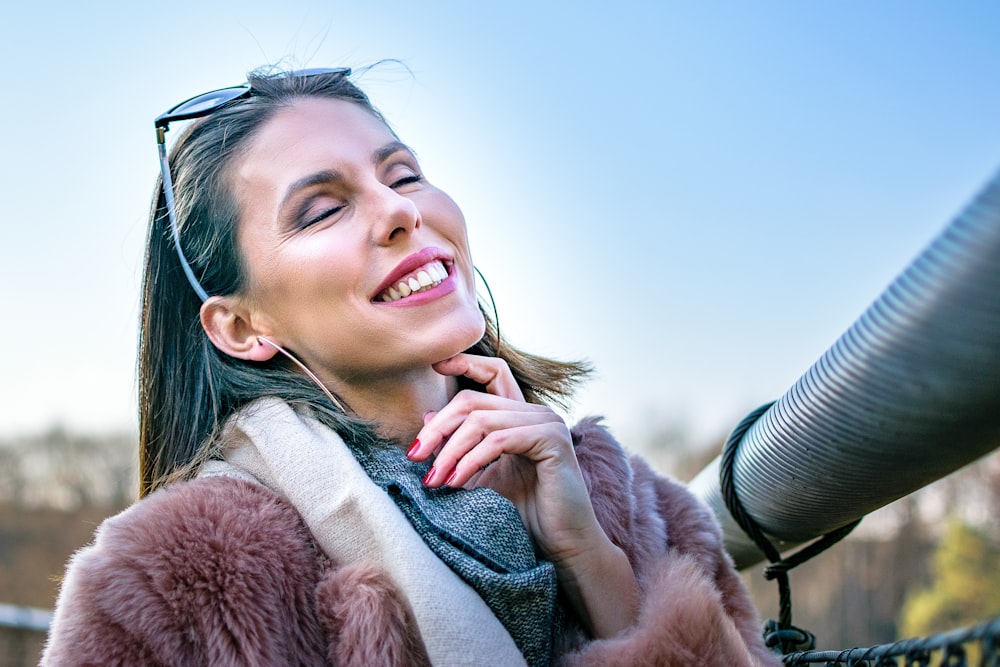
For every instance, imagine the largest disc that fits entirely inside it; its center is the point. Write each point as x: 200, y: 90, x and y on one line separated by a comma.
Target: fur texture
x: 695, y: 608
x: 358, y: 604
x: 222, y: 571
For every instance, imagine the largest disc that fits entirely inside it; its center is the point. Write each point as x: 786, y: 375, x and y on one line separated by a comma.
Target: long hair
x: 187, y: 387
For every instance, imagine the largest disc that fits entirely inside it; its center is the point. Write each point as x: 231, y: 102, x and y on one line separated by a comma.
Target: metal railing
x: 25, y: 618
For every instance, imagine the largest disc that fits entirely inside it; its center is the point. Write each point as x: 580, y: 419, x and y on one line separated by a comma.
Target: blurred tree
x: 965, y: 588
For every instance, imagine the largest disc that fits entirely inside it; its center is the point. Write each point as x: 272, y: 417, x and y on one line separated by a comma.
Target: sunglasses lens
x: 197, y: 106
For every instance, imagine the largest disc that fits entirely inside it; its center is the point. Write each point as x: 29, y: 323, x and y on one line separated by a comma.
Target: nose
x: 395, y: 216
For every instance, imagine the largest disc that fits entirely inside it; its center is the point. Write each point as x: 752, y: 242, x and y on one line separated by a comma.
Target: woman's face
x: 355, y: 262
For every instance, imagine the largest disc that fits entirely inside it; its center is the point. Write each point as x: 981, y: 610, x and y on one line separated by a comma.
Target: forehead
x: 312, y: 133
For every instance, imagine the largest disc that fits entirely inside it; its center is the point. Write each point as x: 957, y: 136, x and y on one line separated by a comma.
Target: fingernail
x: 430, y: 473
x: 413, y: 448
x: 451, y: 477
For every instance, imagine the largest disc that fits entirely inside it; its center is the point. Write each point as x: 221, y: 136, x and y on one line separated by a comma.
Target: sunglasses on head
x: 200, y: 106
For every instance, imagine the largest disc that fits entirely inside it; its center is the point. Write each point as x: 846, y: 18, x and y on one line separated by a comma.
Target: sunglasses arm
x: 168, y: 195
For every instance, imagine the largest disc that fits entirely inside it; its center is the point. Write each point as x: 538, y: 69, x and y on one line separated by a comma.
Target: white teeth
x: 429, y: 275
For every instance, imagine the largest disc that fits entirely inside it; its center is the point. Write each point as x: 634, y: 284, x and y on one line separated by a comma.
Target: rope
x: 780, y: 635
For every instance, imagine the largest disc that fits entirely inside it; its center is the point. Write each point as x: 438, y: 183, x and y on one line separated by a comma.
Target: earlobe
x: 262, y: 351
x: 228, y: 326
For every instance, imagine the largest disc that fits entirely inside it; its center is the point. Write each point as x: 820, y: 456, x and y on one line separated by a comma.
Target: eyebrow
x: 384, y: 153
x: 319, y: 178
x: 332, y: 176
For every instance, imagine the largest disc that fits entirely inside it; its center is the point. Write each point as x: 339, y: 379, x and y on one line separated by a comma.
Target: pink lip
x: 410, y: 264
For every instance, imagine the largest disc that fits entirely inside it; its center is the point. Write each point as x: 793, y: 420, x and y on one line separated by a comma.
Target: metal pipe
x: 910, y: 393
x: 25, y: 618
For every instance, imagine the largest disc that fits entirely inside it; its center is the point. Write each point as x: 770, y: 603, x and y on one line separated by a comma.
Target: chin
x: 463, y: 335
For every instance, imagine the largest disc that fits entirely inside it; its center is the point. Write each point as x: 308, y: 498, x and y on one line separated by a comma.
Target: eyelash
x: 402, y: 182
x: 322, y: 216
x: 407, y: 180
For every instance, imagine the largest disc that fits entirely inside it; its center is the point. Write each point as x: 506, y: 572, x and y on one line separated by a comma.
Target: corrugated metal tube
x: 910, y: 393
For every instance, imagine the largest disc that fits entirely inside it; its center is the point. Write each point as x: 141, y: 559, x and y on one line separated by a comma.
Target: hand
x: 531, y: 450
x: 531, y: 461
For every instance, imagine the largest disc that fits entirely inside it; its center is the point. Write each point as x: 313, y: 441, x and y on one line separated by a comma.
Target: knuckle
x: 465, y: 398
x: 492, y: 444
x: 477, y: 425
x: 557, y: 430
x: 500, y: 364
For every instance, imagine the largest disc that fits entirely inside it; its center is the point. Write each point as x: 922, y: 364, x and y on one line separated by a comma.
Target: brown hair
x: 188, y: 388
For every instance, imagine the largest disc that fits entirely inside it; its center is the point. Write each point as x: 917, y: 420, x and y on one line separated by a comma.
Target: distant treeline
x: 62, y: 470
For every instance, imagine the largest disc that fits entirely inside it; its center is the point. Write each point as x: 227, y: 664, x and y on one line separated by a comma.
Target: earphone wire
x: 302, y: 366
x: 496, y: 315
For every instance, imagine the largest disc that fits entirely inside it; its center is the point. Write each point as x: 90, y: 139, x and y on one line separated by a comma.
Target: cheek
x: 452, y: 220
x: 329, y: 260
x: 303, y: 285
x: 460, y: 228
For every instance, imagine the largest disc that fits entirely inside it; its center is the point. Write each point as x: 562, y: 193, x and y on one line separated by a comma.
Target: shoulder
x: 186, y: 526
x: 189, y: 564
x: 602, y: 458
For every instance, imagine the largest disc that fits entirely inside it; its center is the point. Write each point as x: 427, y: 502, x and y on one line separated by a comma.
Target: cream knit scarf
x: 353, y: 520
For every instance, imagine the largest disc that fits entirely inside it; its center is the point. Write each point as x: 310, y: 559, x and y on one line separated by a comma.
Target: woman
x: 341, y: 460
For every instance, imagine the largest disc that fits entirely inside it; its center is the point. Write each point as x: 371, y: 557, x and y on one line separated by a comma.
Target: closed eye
x: 322, y: 215
x: 407, y: 180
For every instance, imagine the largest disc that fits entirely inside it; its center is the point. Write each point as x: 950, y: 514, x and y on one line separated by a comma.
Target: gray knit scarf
x: 479, y: 535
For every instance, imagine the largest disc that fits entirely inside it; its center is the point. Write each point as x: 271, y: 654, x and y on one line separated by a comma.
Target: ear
x: 229, y: 327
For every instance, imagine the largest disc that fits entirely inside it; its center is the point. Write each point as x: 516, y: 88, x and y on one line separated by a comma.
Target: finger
x: 439, y: 427
x: 417, y: 452
x: 467, y: 430
x: 539, y: 443
x: 493, y: 373
x: 468, y: 444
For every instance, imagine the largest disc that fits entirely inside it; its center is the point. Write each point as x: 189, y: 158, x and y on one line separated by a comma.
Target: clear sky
x: 699, y: 197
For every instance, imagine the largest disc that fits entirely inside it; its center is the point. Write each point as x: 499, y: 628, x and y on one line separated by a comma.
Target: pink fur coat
x: 221, y: 571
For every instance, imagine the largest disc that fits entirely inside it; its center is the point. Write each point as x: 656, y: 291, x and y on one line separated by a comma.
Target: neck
x: 397, y: 404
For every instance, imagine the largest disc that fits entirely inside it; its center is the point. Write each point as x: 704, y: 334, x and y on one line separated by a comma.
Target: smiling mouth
x: 428, y: 276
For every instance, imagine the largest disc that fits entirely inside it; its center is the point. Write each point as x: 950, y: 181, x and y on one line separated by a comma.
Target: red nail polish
x: 451, y: 476
x: 430, y: 473
x: 413, y: 448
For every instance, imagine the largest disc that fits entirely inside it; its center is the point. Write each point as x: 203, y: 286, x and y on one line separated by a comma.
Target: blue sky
x: 697, y: 197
